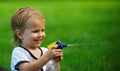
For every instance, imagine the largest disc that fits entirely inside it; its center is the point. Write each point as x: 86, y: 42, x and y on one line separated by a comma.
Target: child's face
x: 34, y: 33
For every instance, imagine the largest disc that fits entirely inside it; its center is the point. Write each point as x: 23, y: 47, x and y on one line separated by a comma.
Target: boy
x: 28, y: 27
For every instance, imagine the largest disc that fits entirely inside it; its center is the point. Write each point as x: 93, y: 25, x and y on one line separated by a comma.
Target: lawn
x: 92, y: 25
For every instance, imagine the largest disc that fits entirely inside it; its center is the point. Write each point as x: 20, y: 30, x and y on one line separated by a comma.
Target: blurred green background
x: 92, y: 25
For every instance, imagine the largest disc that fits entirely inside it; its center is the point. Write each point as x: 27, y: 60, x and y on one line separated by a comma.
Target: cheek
x: 31, y: 36
x: 34, y: 35
x: 44, y: 35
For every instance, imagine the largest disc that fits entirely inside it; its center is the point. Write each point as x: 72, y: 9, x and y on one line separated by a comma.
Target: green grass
x: 94, y: 26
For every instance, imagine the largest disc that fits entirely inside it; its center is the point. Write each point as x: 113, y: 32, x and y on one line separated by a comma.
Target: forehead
x: 35, y: 22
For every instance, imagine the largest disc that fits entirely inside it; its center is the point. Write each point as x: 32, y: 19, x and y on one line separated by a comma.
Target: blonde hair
x: 19, y: 20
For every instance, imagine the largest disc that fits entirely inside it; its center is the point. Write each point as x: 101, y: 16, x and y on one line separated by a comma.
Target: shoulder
x: 18, y: 49
x: 19, y: 55
x: 44, y: 49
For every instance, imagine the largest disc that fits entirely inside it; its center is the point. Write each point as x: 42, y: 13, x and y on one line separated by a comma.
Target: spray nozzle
x: 60, y: 45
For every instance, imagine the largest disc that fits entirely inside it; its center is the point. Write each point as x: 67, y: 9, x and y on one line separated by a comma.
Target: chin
x: 38, y: 45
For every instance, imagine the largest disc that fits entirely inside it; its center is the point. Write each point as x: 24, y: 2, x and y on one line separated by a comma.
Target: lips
x: 38, y: 41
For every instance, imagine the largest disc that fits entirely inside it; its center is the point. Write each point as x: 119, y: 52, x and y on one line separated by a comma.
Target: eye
x: 35, y: 31
x: 43, y: 30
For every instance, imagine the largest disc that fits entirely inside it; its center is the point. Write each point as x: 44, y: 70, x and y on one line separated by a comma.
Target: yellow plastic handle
x: 52, y: 45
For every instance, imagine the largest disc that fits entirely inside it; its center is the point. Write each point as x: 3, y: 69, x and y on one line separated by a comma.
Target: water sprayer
x: 58, y: 45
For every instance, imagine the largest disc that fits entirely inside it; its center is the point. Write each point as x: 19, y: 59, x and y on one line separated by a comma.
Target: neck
x: 28, y: 47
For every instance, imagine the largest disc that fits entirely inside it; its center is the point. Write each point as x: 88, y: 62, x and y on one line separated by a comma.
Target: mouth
x: 38, y: 41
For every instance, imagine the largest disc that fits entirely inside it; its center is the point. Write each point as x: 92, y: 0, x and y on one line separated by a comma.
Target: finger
x: 61, y: 58
x: 58, y: 50
x: 53, y: 47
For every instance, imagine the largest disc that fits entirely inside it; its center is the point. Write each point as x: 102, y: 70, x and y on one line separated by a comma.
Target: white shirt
x: 20, y: 55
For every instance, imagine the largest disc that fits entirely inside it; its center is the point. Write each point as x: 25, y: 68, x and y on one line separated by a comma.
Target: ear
x: 19, y: 34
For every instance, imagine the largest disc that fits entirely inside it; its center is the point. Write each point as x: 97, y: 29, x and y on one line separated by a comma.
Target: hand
x: 54, y: 53
x: 58, y: 59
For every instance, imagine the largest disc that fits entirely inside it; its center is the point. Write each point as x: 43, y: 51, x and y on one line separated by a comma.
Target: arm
x: 39, y: 63
x: 58, y: 66
x: 35, y: 65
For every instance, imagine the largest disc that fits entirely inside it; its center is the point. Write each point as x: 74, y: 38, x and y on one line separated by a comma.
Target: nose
x: 41, y: 34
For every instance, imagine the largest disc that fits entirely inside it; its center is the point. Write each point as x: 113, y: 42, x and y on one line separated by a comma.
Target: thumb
x: 54, y: 47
